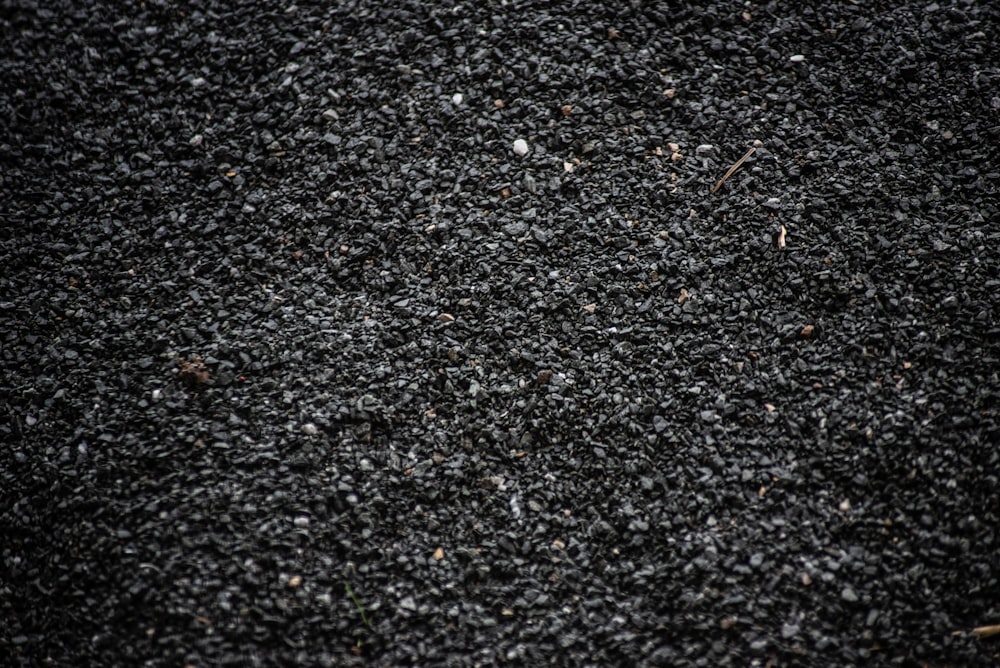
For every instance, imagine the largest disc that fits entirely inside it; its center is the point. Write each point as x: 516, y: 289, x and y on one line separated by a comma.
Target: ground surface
x: 304, y: 364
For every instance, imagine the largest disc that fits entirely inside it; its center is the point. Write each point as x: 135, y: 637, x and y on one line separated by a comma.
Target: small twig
x: 733, y: 169
x: 986, y: 631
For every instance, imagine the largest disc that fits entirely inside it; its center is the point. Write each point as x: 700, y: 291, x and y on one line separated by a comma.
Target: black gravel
x: 307, y: 361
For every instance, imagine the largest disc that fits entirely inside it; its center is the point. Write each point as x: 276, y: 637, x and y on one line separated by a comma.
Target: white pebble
x: 797, y: 58
x: 457, y: 99
x: 520, y: 147
x: 310, y: 429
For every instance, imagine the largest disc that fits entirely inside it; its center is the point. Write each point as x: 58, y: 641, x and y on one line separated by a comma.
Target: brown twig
x: 733, y: 169
x: 986, y: 631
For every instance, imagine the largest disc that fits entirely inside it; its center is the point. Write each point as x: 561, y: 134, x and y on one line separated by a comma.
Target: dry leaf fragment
x: 439, y: 554
x: 808, y: 331
x: 446, y: 317
x: 192, y: 371
x: 683, y: 296
x: 781, y: 237
x: 567, y: 109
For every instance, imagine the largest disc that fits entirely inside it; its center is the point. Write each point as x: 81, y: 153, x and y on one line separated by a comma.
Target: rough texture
x: 400, y: 334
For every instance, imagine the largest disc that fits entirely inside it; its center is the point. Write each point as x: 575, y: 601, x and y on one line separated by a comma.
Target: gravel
x: 402, y: 334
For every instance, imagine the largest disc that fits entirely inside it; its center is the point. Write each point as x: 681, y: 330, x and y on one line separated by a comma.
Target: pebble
x: 520, y: 147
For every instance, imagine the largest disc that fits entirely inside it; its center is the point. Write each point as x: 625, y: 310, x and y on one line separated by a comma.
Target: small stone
x: 590, y: 308
x: 789, y: 630
x: 446, y: 317
x: 309, y: 429
x: 797, y: 58
x: 659, y: 424
x: 457, y: 99
x: 520, y: 147
x: 301, y: 522
x: 808, y: 331
x: 567, y: 109
x: 439, y: 554
x: 849, y: 595
x: 408, y: 604
x: 294, y: 581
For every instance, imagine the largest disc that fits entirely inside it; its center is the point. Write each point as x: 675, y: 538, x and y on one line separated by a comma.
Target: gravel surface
x: 391, y: 333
